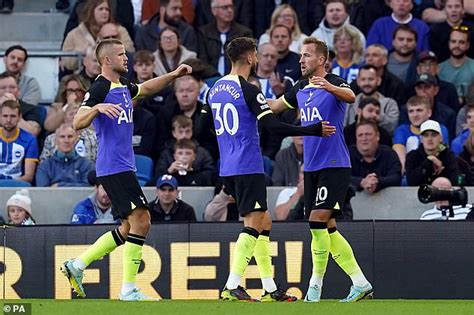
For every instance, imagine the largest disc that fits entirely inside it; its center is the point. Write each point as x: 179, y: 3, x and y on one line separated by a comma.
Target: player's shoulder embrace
x: 337, y: 80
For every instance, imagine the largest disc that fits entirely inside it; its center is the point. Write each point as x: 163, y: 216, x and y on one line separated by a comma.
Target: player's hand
x: 183, y: 69
x: 321, y: 83
x: 278, y: 86
x: 111, y: 110
x: 324, y: 129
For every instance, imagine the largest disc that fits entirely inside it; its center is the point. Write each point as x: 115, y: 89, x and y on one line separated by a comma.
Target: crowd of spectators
x: 411, y: 69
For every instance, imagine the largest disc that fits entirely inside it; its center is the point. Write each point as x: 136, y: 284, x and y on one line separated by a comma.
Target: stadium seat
x: 13, y: 183
x: 144, y: 168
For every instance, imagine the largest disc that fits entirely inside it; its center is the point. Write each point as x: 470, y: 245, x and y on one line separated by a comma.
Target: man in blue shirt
x: 321, y: 96
x: 108, y: 106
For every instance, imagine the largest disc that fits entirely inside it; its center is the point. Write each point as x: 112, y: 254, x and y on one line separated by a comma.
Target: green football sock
x: 243, y: 250
x: 320, y: 245
x: 262, y: 256
x: 101, y: 247
x: 343, y: 255
x: 264, y: 261
x: 132, y: 256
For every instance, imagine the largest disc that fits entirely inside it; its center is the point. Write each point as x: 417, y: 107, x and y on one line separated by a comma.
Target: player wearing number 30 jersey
x: 236, y: 106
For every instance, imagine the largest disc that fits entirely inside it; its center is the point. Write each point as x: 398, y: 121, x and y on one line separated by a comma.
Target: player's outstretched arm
x: 273, y: 125
x: 85, y: 115
x: 155, y: 85
x: 343, y: 93
x: 278, y: 105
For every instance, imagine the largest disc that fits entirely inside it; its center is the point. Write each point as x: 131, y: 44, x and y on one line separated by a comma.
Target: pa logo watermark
x: 17, y: 308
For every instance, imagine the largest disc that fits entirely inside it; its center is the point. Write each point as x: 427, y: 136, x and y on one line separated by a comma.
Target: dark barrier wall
x: 181, y: 261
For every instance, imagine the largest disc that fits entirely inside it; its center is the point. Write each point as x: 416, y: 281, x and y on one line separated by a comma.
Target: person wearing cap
x: 15, y: 60
x: 427, y: 62
x: 432, y: 159
x: 369, y: 109
x: 96, y: 208
x: 407, y: 135
x: 19, y: 209
x: 167, y: 207
x: 453, y: 12
x: 427, y: 85
x: 459, y: 68
x: 369, y: 83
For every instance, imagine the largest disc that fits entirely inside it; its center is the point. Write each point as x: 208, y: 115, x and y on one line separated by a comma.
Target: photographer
x: 443, y: 209
x: 432, y: 159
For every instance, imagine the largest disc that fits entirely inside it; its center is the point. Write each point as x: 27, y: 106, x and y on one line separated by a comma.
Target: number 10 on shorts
x: 321, y: 195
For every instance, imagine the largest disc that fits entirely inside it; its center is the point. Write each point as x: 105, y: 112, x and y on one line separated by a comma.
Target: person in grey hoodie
x: 335, y: 17
x: 65, y: 168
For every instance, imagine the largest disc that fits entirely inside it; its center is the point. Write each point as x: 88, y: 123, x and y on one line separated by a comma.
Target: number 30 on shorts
x: 221, y: 114
x: 321, y: 195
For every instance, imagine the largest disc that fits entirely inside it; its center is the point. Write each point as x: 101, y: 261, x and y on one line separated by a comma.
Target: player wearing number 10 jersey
x: 327, y: 175
x: 236, y: 106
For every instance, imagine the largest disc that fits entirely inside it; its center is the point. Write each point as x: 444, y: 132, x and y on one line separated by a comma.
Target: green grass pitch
x: 211, y: 307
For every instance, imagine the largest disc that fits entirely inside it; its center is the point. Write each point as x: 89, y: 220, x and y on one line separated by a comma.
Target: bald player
x: 108, y: 106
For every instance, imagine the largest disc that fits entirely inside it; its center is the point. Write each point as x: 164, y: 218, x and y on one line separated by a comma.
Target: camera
x: 455, y: 196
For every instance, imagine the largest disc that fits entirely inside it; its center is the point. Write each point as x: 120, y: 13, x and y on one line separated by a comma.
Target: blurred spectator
x: 466, y: 159
x: 182, y: 128
x: 96, y: 14
x: 15, y: 60
x: 65, y: 168
x: 243, y: 10
x: 402, y: 60
x: 406, y: 137
x: 443, y: 209
x: 72, y: 89
x: 222, y: 207
x: 432, y: 159
x: 337, y: 16
x: 382, y: 29
x: 148, y: 8
x: 365, y: 12
x: 309, y: 13
x: 86, y: 145
x: 144, y: 130
x: 290, y: 201
x: 91, y: 67
x: 184, y: 102
x: 369, y: 83
x: 349, y: 51
x: 6, y: 6
x: 436, y: 14
x: 144, y: 65
x: 30, y: 119
x: 272, y: 83
x: 19, y: 147
x: 427, y: 62
x: 458, y: 143
x: 368, y: 109
x: 288, y: 61
x: 329, y: 61
x: 121, y: 10
x: 167, y: 207
x: 439, y: 35
x: 427, y: 85
x: 374, y: 166
x: 287, y: 163
x: 96, y: 208
x: 19, y: 209
x: 188, y: 170
x: 285, y: 15
x: 202, y: 71
x: 213, y: 37
x: 170, y: 14
x: 170, y: 53
x: 459, y: 69
x: 390, y: 86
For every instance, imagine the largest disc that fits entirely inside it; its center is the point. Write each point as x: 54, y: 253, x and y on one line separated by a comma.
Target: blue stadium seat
x: 210, y: 81
x: 144, y: 167
x: 13, y: 183
x: 43, y: 112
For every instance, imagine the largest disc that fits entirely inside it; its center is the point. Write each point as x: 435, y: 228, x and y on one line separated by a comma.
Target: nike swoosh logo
x: 319, y: 203
x: 288, y: 70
